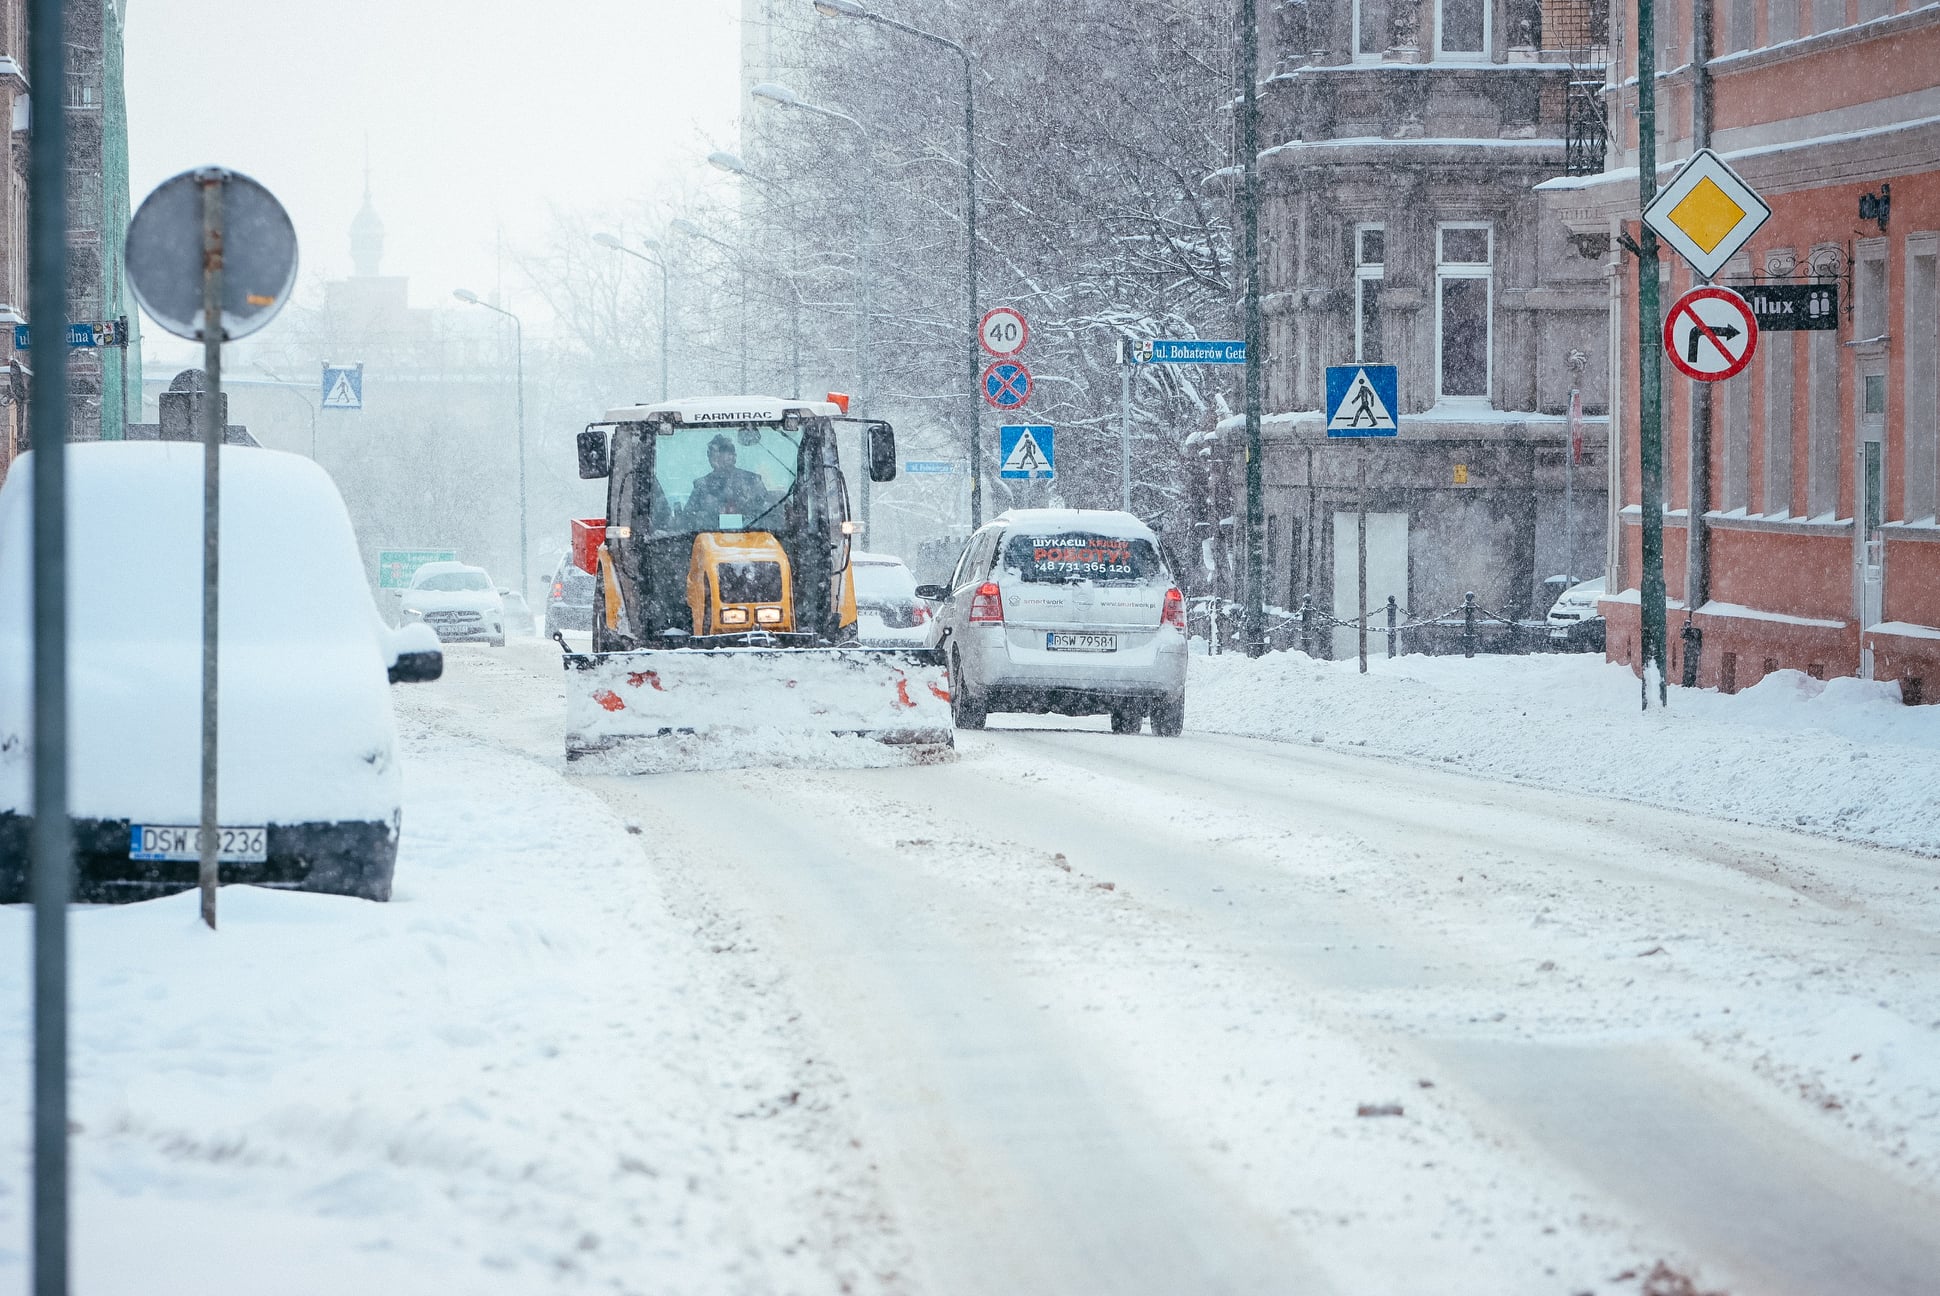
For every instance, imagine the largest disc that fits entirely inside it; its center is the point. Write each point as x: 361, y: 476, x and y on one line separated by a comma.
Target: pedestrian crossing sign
x: 1363, y: 401
x: 343, y: 387
x: 1026, y: 450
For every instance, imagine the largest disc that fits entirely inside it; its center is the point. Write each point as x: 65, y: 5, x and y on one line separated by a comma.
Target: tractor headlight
x: 767, y: 616
x: 734, y: 616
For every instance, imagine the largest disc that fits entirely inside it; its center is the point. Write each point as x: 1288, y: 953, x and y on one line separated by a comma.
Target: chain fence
x: 1467, y: 629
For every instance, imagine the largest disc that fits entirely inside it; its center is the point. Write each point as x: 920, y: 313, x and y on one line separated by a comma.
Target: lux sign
x: 1794, y: 308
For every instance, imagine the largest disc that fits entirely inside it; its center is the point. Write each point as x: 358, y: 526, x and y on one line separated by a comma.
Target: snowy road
x: 1105, y: 1011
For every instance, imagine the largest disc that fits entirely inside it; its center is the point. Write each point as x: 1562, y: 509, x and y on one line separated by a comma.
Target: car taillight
x: 987, y: 604
x: 1174, y: 612
x: 559, y: 589
x: 920, y: 613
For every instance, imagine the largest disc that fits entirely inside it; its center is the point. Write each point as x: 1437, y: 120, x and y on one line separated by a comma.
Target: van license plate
x: 1059, y: 641
x: 245, y: 845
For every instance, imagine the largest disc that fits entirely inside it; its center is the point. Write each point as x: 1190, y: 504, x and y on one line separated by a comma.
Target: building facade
x: 1402, y: 140
x: 1800, y: 495
x: 104, y: 382
x: 13, y: 230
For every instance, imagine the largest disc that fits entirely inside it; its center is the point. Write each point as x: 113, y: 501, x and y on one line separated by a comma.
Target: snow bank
x: 1840, y: 757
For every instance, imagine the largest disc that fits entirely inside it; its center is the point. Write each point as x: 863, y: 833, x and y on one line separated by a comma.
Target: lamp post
x: 666, y: 325
x: 471, y: 298
x: 865, y: 308
x: 734, y: 166
x: 682, y: 225
x: 855, y: 9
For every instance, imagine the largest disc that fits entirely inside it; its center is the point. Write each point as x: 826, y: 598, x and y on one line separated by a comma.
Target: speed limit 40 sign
x: 1003, y: 332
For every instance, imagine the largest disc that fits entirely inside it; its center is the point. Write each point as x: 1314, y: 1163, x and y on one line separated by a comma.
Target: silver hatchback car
x: 1068, y: 611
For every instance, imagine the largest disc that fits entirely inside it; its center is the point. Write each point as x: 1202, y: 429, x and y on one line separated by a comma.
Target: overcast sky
x: 479, y: 115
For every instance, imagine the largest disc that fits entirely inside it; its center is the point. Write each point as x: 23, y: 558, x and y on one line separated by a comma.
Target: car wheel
x: 1169, y: 717
x: 498, y: 642
x: 1127, y: 718
x: 966, y: 710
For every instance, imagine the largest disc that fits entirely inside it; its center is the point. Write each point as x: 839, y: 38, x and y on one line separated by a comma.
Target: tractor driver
x: 725, y: 488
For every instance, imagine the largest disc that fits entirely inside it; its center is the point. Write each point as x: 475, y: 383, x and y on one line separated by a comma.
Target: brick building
x: 1813, y: 543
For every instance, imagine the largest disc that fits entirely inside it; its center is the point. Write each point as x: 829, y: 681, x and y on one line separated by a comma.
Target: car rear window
x: 1082, y: 556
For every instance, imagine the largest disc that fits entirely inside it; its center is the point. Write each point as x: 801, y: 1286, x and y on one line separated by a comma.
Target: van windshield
x: 1066, y: 556
x: 714, y: 478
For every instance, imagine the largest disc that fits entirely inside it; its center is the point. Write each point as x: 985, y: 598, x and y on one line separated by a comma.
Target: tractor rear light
x: 987, y: 604
x: 767, y: 616
x: 734, y: 616
x: 1174, y: 612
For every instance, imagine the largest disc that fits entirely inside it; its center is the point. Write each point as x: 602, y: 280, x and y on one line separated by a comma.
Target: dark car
x: 569, y: 601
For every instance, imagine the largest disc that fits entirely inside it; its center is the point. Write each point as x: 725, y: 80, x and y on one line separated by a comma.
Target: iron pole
x: 52, y: 833
x: 1254, y: 623
x: 1650, y: 413
x: 209, y: 843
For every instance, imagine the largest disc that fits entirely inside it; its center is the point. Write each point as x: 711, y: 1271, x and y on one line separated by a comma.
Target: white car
x: 458, y: 601
x: 888, y: 613
x: 1069, y: 611
x: 308, y: 780
x: 1575, y: 623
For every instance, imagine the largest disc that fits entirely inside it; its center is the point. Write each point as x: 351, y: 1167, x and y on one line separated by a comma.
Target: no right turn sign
x: 1710, y: 334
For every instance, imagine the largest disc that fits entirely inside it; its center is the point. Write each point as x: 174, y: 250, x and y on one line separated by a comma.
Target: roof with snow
x: 1115, y: 523
x: 723, y: 409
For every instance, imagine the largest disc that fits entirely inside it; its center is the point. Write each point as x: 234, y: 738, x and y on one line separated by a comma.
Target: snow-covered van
x: 308, y: 774
x: 1067, y: 611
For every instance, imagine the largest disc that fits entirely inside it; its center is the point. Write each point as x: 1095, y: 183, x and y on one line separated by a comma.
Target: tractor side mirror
x: 882, y: 452
x: 595, y: 459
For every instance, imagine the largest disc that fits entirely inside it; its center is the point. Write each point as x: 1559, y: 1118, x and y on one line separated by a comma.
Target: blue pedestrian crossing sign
x: 1025, y: 451
x: 343, y: 387
x: 1363, y: 401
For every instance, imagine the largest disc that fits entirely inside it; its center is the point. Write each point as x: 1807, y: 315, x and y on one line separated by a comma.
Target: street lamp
x: 854, y: 9
x: 682, y: 225
x: 666, y: 324
x: 865, y: 352
x: 471, y: 298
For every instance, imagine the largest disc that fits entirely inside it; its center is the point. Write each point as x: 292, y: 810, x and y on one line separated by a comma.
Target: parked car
x: 888, y: 613
x: 459, y: 603
x: 1068, y: 611
x: 308, y: 780
x: 569, y: 601
x: 1575, y: 624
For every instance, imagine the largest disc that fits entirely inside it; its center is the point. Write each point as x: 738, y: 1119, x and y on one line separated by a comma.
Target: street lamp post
x: 684, y: 226
x: 865, y: 308
x: 471, y: 298
x: 666, y: 324
x: 854, y: 9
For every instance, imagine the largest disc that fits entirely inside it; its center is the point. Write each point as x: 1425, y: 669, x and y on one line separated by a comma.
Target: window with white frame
x: 1921, y: 357
x: 1372, y: 30
x: 1461, y: 28
x: 1370, y: 265
x: 1464, y: 258
x: 1869, y: 286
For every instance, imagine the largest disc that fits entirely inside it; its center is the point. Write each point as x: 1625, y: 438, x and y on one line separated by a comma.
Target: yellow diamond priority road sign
x: 1707, y: 213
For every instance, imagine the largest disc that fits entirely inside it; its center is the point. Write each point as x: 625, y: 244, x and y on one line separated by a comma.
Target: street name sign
x: 1707, y: 213
x: 343, y: 387
x: 1363, y: 400
x: 396, y: 567
x: 1793, y: 308
x: 1192, y: 351
x: 1003, y: 332
x: 105, y: 334
x: 928, y: 466
x: 1007, y: 385
x: 1710, y: 334
x: 1025, y: 451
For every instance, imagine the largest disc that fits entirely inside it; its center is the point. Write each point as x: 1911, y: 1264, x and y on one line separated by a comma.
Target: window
x: 1741, y: 32
x: 1921, y: 356
x: 1734, y: 416
x: 1777, y: 351
x: 1869, y: 285
x: 1828, y: 14
x: 1372, y: 29
x: 1462, y: 310
x: 1781, y: 21
x: 1822, y: 431
x: 1369, y: 271
x: 1461, y: 27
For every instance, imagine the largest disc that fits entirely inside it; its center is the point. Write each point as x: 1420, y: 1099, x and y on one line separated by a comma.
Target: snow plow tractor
x: 724, y: 614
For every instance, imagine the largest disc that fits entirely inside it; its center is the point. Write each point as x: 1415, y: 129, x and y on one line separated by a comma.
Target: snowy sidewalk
x: 1841, y: 757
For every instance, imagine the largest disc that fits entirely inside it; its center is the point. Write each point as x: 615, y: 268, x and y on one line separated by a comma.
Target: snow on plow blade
x: 683, y: 708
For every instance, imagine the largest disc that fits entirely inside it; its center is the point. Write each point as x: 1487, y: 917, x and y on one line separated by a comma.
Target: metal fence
x: 1468, y: 629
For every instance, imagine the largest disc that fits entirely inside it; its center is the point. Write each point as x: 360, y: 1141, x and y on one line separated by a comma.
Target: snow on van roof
x: 1115, y: 523
x: 723, y: 409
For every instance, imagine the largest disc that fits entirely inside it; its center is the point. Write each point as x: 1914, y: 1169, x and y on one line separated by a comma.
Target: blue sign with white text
x: 928, y: 466
x: 1194, y: 351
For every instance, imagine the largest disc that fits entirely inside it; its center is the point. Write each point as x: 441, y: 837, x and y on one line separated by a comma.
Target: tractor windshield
x: 715, y: 478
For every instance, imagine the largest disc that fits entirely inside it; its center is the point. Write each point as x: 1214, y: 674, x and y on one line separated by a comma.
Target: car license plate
x: 1061, y: 641
x: 238, y: 845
